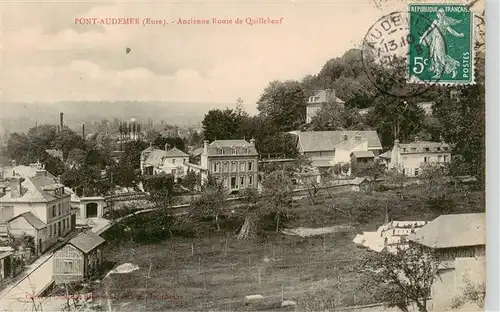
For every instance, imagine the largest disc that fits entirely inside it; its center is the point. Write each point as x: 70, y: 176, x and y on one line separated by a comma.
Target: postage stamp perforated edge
x: 446, y: 82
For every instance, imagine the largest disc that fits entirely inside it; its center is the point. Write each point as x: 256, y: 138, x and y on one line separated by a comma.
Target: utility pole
x: 146, y: 297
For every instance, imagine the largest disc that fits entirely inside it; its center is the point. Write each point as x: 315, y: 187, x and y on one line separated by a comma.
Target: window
x: 445, y: 148
x: 59, y: 211
x: 173, y: 161
x: 50, y: 230
x: 404, y: 150
x: 54, y: 211
x: 233, y: 166
x: 416, y: 171
x: 216, y: 167
x: 445, y: 158
x: 68, y: 266
x: 242, y: 181
x: 426, y: 159
x: 439, y: 148
x: 439, y: 158
x: 242, y: 166
x: 233, y: 151
x: 250, y: 180
x: 225, y: 167
x: 249, y: 166
x: 426, y: 149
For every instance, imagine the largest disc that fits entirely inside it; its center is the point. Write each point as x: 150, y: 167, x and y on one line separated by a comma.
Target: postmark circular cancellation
x: 405, y: 53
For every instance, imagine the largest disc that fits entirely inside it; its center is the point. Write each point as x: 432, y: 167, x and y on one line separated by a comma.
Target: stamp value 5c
x: 442, y: 46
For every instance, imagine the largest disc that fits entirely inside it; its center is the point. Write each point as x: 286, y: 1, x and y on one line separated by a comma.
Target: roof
x: 424, y: 147
x: 197, y: 152
x: 312, y: 141
x: 225, y: 147
x: 358, y: 181
x: 34, y: 190
x: 363, y: 154
x: 175, y: 152
x: 195, y: 166
x: 322, y: 97
x: 153, y: 156
x: 31, y: 219
x: 5, y: 254
x: 455, y: 230
x: 87, y: 241
x: 24, y: 171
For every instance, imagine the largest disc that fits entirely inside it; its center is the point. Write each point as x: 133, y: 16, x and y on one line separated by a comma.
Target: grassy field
x: 201, y: 274
x: 214, y: 270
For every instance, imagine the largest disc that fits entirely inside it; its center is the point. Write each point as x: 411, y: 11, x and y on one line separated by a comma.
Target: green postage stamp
x: 441, y: 46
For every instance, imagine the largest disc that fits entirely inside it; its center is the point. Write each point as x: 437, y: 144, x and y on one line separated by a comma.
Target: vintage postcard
x: 243, y: 156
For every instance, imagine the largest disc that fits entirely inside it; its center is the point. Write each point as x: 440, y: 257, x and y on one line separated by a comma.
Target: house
x: 6, y: 263
x: 231, y: 162
x: 459, y: 241
x: 196, y: 155
x: 38, y: 207
x: 315, y: 102
x: 79, y: 259
x: 410, y: 158
x: 328, y: 148
x: 389, y: 236
x: 170, y: 160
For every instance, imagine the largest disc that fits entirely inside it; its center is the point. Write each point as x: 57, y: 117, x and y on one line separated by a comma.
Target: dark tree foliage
x: 222, y: 125
x: 160, y: 188
x: 177, y: 142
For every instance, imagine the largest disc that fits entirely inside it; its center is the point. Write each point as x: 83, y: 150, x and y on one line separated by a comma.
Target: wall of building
x: 38, y: 209
x: 311, y: 111
x: 59, y: 219
x: 68, y: 264
x: 227, y: 168
x: 320, y: 154
x: 410, y: 162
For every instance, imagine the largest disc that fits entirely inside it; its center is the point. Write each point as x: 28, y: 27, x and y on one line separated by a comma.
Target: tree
x: 374, y: 169
x: 66, y: 140
x: 252, y: 208
x: 277, y: 190
x: 332, y: 116
x: 471, y: 292
x: 396, y: 119
x: 222, y: 125
x: 284, y: 103
x: 177, y: 142
x: 160, y: 188
x: 211, y: 203
x: 191, y: 180
x: 405, y: 277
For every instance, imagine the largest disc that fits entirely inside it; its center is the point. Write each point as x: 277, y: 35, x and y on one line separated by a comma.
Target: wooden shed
x: 79, y: 259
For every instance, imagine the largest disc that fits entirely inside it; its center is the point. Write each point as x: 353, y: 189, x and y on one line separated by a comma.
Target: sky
x: 46, y: 57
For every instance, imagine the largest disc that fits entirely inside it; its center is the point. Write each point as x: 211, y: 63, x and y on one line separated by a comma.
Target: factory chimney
x: 61, y: 121
x: 83, y: 131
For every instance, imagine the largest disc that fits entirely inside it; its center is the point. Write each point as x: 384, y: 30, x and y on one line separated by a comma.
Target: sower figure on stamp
x: 434, y: 39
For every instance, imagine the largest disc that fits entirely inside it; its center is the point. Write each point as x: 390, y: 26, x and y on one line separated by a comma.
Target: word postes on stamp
x: 443, y: 50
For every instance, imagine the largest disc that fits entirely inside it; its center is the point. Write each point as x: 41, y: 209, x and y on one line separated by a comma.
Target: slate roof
x: 175, y: 152
x: 424, y: 147
x: 87, y: 241
x: 23, y: 171
x: 313, y: 141
x: 31, y: 219
x: 33, y: 190
x: 242, y: 148
x: 154, y: 156
x: 363, y: 154
x: 322, y: 98
x: 455, y: 230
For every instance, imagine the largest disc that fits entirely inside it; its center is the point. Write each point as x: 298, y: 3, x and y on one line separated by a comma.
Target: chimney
x: 15, y: 187
x: 416, y: 138
x: 344, y: 136
x: 167, y: 146
x: 252, y: 141
x: 83, y: 131
x: 61, y: 120
x: 205, y: 147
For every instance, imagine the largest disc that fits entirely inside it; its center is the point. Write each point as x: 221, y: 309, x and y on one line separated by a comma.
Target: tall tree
x: 284, y: 103
x: 222, y: 125
x: 252, y: 208
x: 277, y: 190
x: 405, y: 277
x: 211, y: 203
